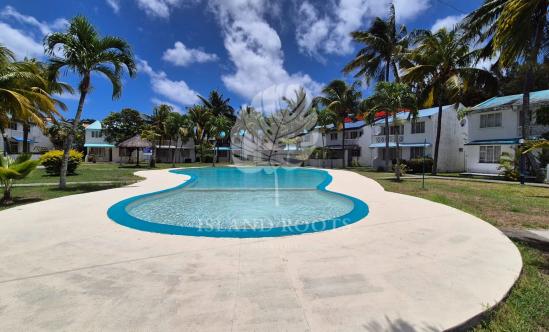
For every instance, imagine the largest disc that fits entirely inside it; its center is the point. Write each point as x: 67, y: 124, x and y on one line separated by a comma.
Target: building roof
x: 423, y: 113
x: 513, y: 100
x: 94, y: 126
x: 402, y: 145
x: 98, y: 145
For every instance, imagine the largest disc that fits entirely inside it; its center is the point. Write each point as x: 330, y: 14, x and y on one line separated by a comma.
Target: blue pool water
x: 242, y: 202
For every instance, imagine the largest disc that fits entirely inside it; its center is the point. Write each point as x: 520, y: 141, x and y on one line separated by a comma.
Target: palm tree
x: 217, y: 128
x: 218, y: 105
x: 443, y: 67
x: 517, y: 30
x: 392, y: 99
x: 199, y: 117
x: 385, y: 51
x: 51, y: 86
x: 82, y: 50
x: 158, y: 120
x: 325, y: 118
x: 14, y: 169
x: 23, y: 92
x: 173, y: 125
x: 343, y: 100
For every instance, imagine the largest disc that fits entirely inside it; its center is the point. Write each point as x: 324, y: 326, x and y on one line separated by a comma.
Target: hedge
x: 52, y: 160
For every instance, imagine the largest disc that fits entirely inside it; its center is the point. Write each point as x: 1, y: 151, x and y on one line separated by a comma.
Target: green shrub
x: 508, y: 165
x: 415, y: 165
x: 51, y: 160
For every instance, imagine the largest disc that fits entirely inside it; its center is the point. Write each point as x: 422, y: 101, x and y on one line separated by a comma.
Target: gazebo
x: 136, y: 142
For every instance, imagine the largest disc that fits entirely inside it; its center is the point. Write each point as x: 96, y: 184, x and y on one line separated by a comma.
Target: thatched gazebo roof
x: 135, y: 142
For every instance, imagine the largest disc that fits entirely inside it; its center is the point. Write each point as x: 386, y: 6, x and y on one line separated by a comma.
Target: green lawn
x: 503, y: 205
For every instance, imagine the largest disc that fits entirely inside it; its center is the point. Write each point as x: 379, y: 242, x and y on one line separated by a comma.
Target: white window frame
x: 333, y: 136
x: 489, y: 154
x: 491, y: 120
x: 415, y: 128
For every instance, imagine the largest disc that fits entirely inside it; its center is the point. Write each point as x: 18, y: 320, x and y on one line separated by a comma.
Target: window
x: 418, y: 127
x: 333, y: 136
x: 97, y: 134
x: 490, y: 120
x: 13, y: 125
x: 351, y: 134
x: 489, y: 154
x: 14, y: 147
x: 417, y: 152
x: 355, y: 153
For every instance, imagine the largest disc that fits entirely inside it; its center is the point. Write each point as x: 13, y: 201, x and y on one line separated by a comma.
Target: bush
x: 508, y: 166
x: 51, y: 160
x: 415, y: 165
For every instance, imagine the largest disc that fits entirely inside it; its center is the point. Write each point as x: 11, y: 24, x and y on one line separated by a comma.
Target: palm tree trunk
x: 26, y: 129
x: 6, y: 198
x: 84, y: 86
x: 386, y: 142
x: 397, y: 168
x: 437, y: 140
x: 173, y: 151
x: 387, y: 69
x: 5, y: 141
x: 343, y: 146
x: 152, y: 162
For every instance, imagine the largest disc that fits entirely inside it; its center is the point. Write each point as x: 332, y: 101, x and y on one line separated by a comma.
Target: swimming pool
x: 242, y: 202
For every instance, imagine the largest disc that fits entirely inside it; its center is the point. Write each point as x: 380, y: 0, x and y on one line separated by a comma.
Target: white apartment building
x: 37, y: 140
x: 494, y: 128
x: 417, y: 138
x: 366, y: 144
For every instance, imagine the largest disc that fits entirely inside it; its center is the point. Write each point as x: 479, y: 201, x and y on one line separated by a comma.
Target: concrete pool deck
x: 410, y: 265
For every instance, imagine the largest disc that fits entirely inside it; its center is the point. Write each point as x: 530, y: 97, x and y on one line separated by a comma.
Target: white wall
x: 509, y: 125
x: 472, y: 158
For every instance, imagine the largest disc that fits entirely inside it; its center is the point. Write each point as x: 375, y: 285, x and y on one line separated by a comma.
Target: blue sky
x: 243, y: 48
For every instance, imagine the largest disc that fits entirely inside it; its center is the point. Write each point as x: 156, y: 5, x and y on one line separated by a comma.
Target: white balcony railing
x: 381, y: 138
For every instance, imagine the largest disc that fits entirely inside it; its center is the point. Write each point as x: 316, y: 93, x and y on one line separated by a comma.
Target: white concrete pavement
x: 410, y: 265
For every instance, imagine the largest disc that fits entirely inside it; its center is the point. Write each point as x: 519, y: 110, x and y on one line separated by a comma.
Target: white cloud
x: 114, y: 4
x: 329, y: 32
x: 180, y: 55
x: 254, y: 48
x: 448, y: 22
x: 162, y: 8
x: 26, y: 43
x: 176, y: 91
x: 19, y: 42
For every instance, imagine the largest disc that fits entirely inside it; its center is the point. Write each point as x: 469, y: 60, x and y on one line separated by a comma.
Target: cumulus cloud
x: 180, y: 55
x: 114, y: 4
x: 27, y: 42
x: 162, y: 8
x: 254, y: 48
x: 326, y: 29
x: 448, y: 22
x: 176, y: 91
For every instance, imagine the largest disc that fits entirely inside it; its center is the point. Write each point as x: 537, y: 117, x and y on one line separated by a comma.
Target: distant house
x: 494, y: 128
x: 13, y: 141
x: 98, y: 149
x: 366, y: 144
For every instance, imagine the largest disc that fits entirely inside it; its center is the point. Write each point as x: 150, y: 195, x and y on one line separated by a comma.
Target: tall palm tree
x: 343, y: 100
x: 82, y: 50
x: 217, y: 128
x: 199, y: 117
x: 517, y: 30
x: 392, y: 99
x: 385, y: 51
x: 325, y: 118
x: 443, y: 65
x: 23, y: 92
x: 218, y: 105
x: 51, y: 86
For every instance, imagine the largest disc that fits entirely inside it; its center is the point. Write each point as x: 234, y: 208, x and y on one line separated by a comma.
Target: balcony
x: 381, y: 139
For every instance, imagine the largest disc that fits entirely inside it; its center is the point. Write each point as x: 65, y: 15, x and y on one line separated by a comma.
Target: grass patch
x: 503, y: 205
x: 527, y: 307
x: 26, y: 195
